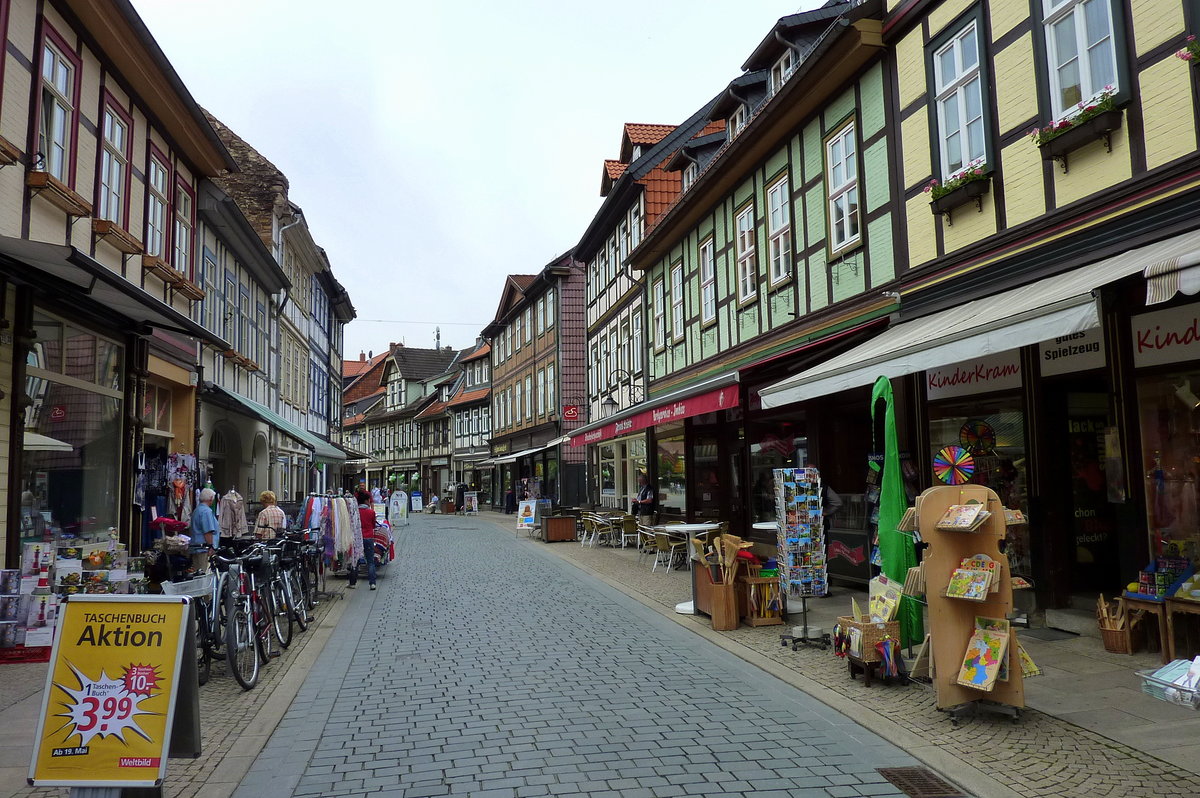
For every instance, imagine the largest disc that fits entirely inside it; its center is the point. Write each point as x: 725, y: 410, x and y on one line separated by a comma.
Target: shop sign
x: 721, y: 399
x: 110, y: 694
x: 1070, y: 353
x: 58, y: 413
x: 1000, y: 372
x: 570, y: 412
x: 439, y: 461
x: 1166, y: 336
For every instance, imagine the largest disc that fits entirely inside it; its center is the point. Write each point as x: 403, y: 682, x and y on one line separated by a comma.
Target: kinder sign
x: 720, y: 399
x: 1166, y: 336
x: 1070, y: 353
x: 1000, y: 372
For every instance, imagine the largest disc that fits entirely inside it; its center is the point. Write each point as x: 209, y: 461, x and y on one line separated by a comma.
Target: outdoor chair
x: 667, y: 550
x: 629, y: 530
x: 646, y: 544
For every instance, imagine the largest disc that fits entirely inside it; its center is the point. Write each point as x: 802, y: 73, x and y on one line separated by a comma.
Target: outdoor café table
x: 685, y: 531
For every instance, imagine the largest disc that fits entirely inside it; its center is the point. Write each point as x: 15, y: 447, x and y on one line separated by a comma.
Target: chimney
x: 362, y: 355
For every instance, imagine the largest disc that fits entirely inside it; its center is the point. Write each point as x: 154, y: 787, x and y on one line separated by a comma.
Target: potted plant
x: 1091, y: 122
x: 969, y: 184
x: 1190, y: 51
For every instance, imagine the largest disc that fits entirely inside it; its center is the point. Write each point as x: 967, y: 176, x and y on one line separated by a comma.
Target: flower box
x: 187, y: 289
x: 1098, y: 128
x: 971, y: 190
x: 116, y: 235
x: 58, y: 193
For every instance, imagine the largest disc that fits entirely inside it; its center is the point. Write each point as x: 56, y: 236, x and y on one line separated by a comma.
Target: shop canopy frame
x: 512, y: 458
x: 1049, y: 308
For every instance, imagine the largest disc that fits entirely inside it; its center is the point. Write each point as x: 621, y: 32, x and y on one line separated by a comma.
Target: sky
x: 437, y: 147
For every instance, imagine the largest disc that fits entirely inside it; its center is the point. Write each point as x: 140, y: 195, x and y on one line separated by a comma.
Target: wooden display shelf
x: 774, y: 618
x: 58, y: 194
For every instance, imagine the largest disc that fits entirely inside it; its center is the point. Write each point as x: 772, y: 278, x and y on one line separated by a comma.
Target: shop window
x: 156, y: 412
x: 1170, y: 422
x: 671, y: 459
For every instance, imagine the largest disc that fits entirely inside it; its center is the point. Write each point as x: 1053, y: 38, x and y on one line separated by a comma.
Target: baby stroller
x: 377, y: 542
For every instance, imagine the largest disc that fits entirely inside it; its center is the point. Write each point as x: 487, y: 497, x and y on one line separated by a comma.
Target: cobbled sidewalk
x: 483, y: 667
x: 1039, y: 756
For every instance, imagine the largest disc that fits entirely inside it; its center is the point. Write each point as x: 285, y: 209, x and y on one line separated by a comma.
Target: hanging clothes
x: 328, y: 540
x: 343, y: 532
x: 231, y: 515
x: 355, y: 524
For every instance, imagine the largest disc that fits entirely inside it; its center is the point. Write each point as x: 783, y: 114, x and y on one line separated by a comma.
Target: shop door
x: 1088, y: 547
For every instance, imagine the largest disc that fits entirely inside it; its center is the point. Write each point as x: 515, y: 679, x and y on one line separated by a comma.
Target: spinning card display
x: 802, y: 570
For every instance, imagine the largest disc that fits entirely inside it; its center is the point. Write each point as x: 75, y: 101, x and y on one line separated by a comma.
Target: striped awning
x: 1176, y: 274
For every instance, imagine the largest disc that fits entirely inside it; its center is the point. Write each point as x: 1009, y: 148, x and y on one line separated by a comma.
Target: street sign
x: 109, y: 702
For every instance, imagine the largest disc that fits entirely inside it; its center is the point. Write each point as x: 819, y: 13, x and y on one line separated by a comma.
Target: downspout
x: 273, y: 476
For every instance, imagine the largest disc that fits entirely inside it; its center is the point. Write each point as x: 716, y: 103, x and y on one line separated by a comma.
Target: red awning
x: 719, y: 399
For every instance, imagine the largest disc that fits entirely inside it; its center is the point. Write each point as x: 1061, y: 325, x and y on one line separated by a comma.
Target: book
x: 909, y: 522
x: 963, y: 518
x: 967, y: 583
x: 883, y: 599
x: 1028, y: 667
x: 981, y: 663
x: 982, y: 562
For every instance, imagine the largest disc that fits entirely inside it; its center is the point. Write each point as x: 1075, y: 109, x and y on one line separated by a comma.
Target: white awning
x: 1043, y: 310
x: 512, y: 458
x: 1176, y: 273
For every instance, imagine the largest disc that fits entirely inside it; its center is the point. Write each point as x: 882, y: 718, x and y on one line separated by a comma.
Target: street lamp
x: 620, y: 377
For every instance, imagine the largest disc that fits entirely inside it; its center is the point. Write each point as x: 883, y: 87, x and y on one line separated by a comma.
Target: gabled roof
x: 465, y: 397
x: 641, y: 135
x: 612, y: 172
x: 434, y: 409
x: 515, y: 286
x: 481, y: 351
x: 355, y: 368
x: 771, y: 48
x: 685, y: 154
x: 742, y: 90
x: 421, y: 364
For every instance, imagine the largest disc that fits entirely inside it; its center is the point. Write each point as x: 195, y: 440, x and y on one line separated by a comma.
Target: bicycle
x: 247, y: 616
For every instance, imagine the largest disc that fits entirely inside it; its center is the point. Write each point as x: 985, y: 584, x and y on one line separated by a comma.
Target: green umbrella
x: 895, y: 548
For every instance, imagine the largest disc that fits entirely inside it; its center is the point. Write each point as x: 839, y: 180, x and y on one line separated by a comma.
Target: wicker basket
x: 1116, y: 641
x: 872, y: 633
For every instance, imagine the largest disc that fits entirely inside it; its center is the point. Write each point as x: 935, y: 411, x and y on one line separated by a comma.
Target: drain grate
x: 921, y: 783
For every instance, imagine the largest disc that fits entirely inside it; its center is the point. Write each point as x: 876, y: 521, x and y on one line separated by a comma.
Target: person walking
x: 271, y: 519
x: 204, y: 521
x: 367, y: 515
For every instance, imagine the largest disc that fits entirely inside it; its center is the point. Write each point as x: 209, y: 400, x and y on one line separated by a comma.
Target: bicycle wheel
x: 217, y: 622
x: 298, y: 605
x: 281, y: 611
x: 308, y: 588
x: 203, y: 660
x: 241, y: 640
x: 262, y: 624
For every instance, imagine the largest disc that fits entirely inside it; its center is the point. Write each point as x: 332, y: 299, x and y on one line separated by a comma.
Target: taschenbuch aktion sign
x: 110, y: 693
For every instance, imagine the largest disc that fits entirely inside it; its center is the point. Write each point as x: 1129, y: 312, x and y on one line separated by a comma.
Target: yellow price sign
x: 110, y: 692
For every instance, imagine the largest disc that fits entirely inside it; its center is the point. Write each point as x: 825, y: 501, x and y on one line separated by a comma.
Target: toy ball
x: 1132, y: 587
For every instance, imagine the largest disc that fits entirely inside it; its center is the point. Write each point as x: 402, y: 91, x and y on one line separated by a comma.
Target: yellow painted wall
x: 969, y: 224
x: 1155, y: 21
x: 910, y: 67
x: 1014, y: 76
x: 1166, y: 89
x: 1024, y: 190
x: 1092, y: 169
x: 945, y: 13
x: 1006, y: 15
x: 915, y: 133
x: 921, y: 243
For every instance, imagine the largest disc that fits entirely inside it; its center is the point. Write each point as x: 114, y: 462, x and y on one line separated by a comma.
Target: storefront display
x: 672, y: 475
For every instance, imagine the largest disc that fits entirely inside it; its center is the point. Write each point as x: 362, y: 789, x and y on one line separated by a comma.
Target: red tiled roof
x: 614, y: 169
x: 662, y: 188
x: 482, y: 350
x: 716, y: 126
x: 353, y: 368
x: 646, y: 134
x: 434, y: 409
x: 354, y: 419
x: 523, y: 281
x: 466, y: 397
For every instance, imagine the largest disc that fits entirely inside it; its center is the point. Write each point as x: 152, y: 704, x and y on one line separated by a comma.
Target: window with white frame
x: 56, y: 129
x: 708, y: 280
x: 528, y: 324
x: 594, y: 371
x: 541, y: 393
x: 1081, y: 50
x: 551, y: 393
x: 779, y: 231
x: 182, y: 251
x: 782, y: 69
x: 690, y: 173
x: 528, y: 397
x: 114, y: 165
x: 635, y: 223
x: 622, y: 244
x: 550, y: 309
x: 636, y: 336
x: 156, y: 210
x: 747, y: 266
x: 959, y: 89
x: 660, y: 314
x: 841, y: 175
x: 516, y: 332
x: 541, y: 315
x: 677, y: 301
x: 736, y: 121
x: 518, y: 401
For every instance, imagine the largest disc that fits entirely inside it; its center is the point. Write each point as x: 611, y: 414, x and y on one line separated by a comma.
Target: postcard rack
x: 952, y: 620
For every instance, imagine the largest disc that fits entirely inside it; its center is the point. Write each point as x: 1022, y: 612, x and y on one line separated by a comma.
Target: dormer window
x: 690, y: 173
x: 782, y: 70
x: 737, y: 121
x: 637, y: 153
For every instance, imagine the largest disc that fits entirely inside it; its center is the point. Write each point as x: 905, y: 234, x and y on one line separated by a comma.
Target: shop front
x: 619, y: 462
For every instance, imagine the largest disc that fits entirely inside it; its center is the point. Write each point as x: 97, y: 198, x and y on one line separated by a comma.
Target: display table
x: 1191, y: 641
x: 1158, y: 610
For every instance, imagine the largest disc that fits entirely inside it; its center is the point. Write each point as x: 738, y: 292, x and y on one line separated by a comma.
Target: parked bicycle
x: 248, y: 614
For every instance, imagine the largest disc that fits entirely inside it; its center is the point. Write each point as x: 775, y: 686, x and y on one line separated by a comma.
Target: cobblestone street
x: 483, y: 666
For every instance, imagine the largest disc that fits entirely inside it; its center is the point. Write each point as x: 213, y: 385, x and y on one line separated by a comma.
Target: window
x: 517, y: 401
x: 636, y: 359
x: 551, y: 394
x: 114, y: 166
x: 959, y: 102
x: 1081, y: 52
x: 56, y: 129
x: 677, y: 301
x: 708, y: 281
x: 622, y: 244
x: 528, y: 397
x: 690, y: 173
x: 842, y: 185
x: 747, y: 267
x: 541, y: 315
x: 593, y: 371
x: 528, y: 324
x: 782, y: 70
x: 182, y: 254
x: 660, y: 318
x: 550, y: 311
x: 635, y: 224
x: 737, y: 121
x: 516, y: 331
x: 541, y: 393
x: 779, y: 231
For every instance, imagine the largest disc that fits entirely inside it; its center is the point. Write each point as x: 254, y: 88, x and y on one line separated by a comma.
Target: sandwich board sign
x: 110, y: 699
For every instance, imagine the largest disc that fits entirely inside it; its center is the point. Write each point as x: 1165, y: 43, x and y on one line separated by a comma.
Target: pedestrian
x: 204, y: 521
x: 643, y: 503
x: 367, y: 515
x: 830, y: 504
x: 271, y: 519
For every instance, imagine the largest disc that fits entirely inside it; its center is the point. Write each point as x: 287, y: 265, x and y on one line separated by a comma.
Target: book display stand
x: 954, y: 627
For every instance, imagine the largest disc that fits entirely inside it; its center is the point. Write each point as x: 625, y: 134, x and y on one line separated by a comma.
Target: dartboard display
x: 953, y: 465
x: 977, y: 437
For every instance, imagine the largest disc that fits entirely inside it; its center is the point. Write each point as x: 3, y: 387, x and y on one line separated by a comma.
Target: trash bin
x: 447, y: 507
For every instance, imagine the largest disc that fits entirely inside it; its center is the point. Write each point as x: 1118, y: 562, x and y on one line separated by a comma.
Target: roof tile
x: 646, y: 134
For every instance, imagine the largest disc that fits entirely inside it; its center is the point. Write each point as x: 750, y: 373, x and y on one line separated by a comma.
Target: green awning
x: 322, y: 450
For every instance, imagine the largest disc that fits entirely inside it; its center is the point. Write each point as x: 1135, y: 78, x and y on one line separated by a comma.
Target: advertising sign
x: 471, y: 502
x: 418, y: 501
x: 397, y: 513
x: 719, y: 399
x: 526, y: 514
x: 1166, y: 336
x: 110, y: 692
x: 1070, y: 353
x: 986, y: 374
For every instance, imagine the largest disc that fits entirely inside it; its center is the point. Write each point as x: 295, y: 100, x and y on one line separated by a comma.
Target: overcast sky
x: 438, y: 146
